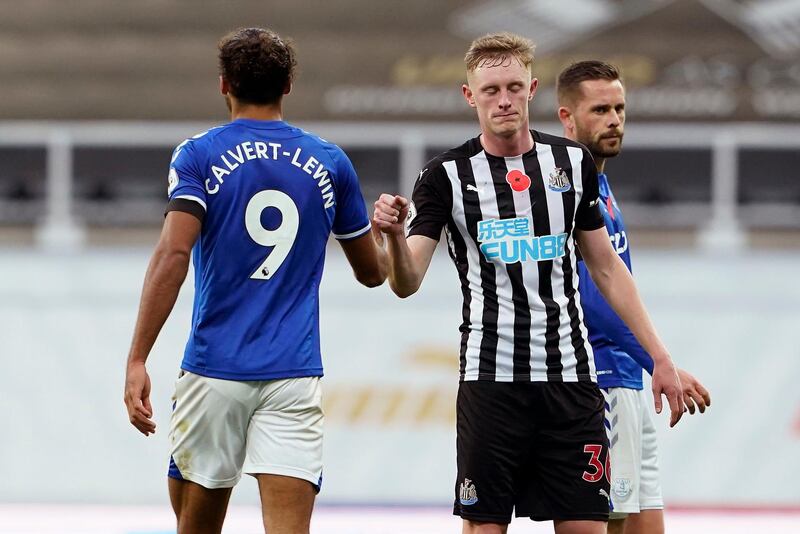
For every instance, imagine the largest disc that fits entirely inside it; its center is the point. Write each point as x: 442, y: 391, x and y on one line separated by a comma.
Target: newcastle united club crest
x: 558, y: 181
x: 467, y: 493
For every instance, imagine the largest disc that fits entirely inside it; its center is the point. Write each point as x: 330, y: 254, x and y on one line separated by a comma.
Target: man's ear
x: 468, y: 96
x: 288, y: 88
x: 567, y: 119
x: 532, y: 88
x: 224, y: 86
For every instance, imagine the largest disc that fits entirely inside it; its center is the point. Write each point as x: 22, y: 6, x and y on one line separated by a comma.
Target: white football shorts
x: 221, y: 428
x: 635, y: 481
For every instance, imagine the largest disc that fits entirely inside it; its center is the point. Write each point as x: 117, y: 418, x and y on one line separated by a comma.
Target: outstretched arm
x: 165, y: 275
x: 616, y: 284
x: 410, y: 258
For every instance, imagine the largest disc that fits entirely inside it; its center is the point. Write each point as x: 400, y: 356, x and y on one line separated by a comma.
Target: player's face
x: 599, y: 115
x: 500, y: 92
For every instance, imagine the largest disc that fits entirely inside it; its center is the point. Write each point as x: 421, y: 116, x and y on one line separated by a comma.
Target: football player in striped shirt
x: 592, y: 109
x: 513, y: 204
x: 254, y: 202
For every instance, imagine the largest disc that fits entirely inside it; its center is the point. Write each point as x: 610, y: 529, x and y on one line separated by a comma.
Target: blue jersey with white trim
x: 271, y: 194
x: 618, y: 356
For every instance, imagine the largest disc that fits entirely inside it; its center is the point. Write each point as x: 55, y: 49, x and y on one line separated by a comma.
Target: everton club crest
x: 558, y: 181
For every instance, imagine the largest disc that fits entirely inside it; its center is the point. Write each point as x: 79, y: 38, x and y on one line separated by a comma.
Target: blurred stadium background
x: 96, y: 93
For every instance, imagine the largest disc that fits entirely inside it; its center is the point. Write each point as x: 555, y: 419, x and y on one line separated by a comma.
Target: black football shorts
x: 538, y: 449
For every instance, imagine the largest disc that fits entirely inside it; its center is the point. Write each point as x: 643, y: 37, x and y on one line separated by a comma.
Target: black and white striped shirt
x: 509, y: 223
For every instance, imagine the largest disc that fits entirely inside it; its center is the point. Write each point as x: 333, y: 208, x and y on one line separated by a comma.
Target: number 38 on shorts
x: 597, y: 468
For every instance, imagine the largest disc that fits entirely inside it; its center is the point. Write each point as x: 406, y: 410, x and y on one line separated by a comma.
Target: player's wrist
x: 396, y: 235
x: 659, y: 355
x: 136, y: 359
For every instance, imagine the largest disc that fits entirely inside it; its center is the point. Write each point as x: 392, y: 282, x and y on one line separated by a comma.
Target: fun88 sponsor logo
x: 510, y: 241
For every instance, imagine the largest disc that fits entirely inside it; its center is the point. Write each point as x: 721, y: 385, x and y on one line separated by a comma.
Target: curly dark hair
x: 571, y: 77
x: 257, y: 64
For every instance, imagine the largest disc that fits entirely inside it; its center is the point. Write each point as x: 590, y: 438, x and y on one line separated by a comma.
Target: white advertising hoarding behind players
x: 391, y: 380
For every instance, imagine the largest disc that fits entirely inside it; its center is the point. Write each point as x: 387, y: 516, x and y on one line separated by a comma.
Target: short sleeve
x: 431, y: 203
x: 351, y: 219
x: 588, y: 215
x: 186, y: 189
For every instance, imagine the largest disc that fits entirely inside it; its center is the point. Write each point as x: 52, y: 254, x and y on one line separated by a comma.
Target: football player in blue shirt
x: 592, y: 110
x: 253, y: 202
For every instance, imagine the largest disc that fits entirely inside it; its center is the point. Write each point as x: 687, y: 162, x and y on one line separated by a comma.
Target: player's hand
x: 667, y: 382
x: 137, y: 398
x: 390, y: 213
x: 694, y: 393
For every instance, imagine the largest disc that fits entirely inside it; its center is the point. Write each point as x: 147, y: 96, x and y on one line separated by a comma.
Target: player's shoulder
x: 197, y: 140
x: 434, y: 168
x: 555, y: 140
x: 315, y: 141
x: 464, y: 151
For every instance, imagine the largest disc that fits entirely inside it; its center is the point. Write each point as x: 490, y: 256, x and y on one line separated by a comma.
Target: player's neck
x: 270, y: 112
x: 515, y: 145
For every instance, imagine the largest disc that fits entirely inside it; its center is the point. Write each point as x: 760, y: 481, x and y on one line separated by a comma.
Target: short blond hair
x: 498, y: 48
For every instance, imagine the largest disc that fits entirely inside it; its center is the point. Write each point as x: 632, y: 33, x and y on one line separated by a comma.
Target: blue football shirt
x: 269, y: 195
x: 618, y: 356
